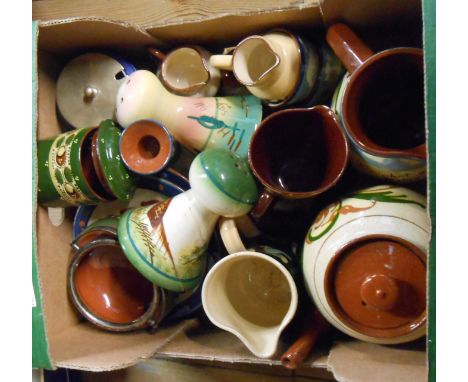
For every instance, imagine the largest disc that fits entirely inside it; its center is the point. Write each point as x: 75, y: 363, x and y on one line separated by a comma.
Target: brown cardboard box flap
x: 365, y: 362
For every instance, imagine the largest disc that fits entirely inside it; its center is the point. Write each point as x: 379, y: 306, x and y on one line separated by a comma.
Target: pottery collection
x: 177, y: 169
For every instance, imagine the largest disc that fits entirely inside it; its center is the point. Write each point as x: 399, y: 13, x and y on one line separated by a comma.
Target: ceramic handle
x: 263, y: 203
x: 221, y: 61
x: 301, y: 348
x: 155, y: 53
x: 349, y: 48
x: 230, y: 236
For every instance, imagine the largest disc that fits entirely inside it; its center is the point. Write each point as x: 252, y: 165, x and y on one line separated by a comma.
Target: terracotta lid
x: 377, y: 286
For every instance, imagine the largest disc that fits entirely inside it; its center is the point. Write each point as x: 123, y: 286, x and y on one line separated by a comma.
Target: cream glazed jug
x: 364, y: 264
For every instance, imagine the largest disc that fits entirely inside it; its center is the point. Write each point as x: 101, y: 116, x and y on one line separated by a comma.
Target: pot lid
x: 87, y: 88
x: 377, y: 287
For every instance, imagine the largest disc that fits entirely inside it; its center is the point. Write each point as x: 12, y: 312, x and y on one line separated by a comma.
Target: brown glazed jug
x: 381, y: 105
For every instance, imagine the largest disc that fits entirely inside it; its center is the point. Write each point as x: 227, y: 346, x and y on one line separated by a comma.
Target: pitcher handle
x: 221, y: 61
x: 349, y: 48
x: 230, y: 236
x: 156, y: 54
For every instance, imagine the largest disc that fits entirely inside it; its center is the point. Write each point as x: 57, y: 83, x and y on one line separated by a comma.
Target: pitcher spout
x: 254, y: 61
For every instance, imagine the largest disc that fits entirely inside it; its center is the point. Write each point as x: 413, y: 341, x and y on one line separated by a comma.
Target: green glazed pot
x: 118, y: 179
x: 66, y: 173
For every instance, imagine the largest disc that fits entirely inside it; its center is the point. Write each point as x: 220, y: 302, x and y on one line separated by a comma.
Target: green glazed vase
x: 167, y: 241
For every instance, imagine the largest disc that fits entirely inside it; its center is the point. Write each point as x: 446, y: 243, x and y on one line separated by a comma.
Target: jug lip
x: 301, y: 194
x: 262, y: 76
x: 287, y: 317
x: 192, y: 88
x: 361, y: 140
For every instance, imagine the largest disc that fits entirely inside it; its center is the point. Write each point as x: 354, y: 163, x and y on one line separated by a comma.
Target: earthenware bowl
x: 111, y: 294
x: 364, y: 264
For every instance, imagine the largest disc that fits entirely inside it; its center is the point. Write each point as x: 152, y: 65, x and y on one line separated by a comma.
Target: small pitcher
x: 187, y: 71
x: 251, y: 293
x: 268, y: 65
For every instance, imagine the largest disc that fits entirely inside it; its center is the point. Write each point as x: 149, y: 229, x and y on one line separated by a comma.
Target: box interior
x: 76, y: 344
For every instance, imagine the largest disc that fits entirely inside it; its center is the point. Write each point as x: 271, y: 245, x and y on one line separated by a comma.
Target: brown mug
x: 381, y: 105
x: 297, y: 154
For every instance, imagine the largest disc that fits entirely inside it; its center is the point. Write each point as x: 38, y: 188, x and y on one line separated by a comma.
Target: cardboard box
x: 60, y: 338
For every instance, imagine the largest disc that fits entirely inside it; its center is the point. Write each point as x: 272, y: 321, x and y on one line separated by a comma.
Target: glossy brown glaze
x: 110, y: 287
x: 89, y: 171
x: 383, y: 104
x: 146, y: 147
x: 377, y: 286
x: 97, y: 166
x: 298, y: 153
x: 347, y: 46
x: 316, y: 326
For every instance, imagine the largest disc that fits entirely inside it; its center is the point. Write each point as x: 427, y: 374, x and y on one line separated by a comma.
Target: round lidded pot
x: 364, y: 264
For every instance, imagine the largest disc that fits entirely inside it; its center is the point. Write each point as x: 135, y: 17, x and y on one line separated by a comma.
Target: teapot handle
x: 221, y: 61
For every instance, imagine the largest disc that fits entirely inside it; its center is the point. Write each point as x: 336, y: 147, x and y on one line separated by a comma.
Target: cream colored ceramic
x: 187, y: 71
x: 252, y: 296
x: 268, y: 65
x: 197, y: 123
x: 386, y: 212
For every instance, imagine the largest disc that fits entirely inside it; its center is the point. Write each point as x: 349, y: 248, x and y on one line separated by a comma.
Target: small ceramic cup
x: 66, y: 172
x: 187, y: 71
x: 364, y: 264
x: 381, y: 106
x: 252, y: 296
x: 297, y: 154
x: 106, y: 289
x: 146, y: 147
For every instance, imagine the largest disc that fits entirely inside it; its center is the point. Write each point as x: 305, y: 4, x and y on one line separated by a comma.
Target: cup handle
x: 263, y: 203
x: 155, y: 53
x: 230, y: 236
x: 221, y: 61
x: 349, y: 48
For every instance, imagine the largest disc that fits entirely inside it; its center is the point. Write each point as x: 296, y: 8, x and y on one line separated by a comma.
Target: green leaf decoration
x: 387, y: 197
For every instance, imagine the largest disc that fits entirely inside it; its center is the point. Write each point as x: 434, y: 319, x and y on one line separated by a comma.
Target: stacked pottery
x: 155, y: 160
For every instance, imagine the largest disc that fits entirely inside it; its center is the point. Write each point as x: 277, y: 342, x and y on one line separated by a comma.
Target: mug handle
x: 230, y: 236
x: 221, y: 61
x: 349, y: 48
x: 156, y: 54
x: 264, y: 202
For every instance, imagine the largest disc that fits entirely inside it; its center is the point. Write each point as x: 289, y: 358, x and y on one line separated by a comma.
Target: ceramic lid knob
x: 380, y: 292
x: 223, y: 183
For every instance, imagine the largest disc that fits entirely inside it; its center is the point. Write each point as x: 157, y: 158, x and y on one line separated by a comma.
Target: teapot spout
x: 254, y: 61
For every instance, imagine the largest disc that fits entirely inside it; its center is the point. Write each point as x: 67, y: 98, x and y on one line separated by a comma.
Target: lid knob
x: 380, y: 292
x: 90, y: 92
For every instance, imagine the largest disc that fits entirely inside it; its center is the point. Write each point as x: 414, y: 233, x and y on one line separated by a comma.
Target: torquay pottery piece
x: 364, y: 264
x: 167, y: 241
